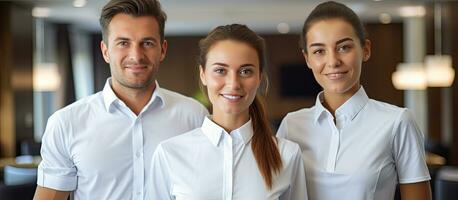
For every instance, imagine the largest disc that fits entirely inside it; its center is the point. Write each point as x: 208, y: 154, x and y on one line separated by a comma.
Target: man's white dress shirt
x: 210, y: 164
x: 363, y: 155
x: 98, y: 148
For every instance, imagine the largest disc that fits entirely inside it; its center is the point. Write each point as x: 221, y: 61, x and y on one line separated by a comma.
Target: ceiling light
x: 385, y: 18
x: 409, y: 76
x: 412, y: 11
x: 41, y: 12
x: 46, y: 77
x: 283, y: 28
x: 439, y: 70
x: 79, y: 3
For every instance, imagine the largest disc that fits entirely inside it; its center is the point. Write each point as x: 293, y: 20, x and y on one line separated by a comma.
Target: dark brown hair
x: 263, y: 142
x: 137, y: 8
x: 332, y: 10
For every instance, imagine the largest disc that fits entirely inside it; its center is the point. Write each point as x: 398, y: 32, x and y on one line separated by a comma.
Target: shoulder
x: 288, y: 150
x: 383, y: 108
x: 183, y: 142
x: 78, y: 109
x: 177, y: 99
x: 299, y: 115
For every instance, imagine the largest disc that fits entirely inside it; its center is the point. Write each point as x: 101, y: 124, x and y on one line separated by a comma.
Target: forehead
x: 232, y: 52
x: 330, y: 30
x: 123, y: 25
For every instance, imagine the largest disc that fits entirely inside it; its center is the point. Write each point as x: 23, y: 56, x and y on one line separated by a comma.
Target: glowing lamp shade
x: 439, y: 70
x: 46, y: 77
x: 409, y: 76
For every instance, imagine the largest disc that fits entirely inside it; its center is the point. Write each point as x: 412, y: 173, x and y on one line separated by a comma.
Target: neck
x: 230, y: 122
x: 135, y: 98
x: 332, y: 100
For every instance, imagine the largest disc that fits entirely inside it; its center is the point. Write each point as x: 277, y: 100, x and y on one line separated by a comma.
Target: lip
x: 136, y: 68
x: 336, y: 75
x: 232, y: 97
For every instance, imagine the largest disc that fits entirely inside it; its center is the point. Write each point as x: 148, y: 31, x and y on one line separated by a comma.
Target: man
x: 100, y: 147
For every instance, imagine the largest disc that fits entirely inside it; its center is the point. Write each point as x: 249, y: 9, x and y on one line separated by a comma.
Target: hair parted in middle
x: 263, y: 142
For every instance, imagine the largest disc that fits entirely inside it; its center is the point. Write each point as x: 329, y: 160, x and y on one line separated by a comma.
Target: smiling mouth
x: 231, y: 97
x: 336, y: 76
x: 136, y: 68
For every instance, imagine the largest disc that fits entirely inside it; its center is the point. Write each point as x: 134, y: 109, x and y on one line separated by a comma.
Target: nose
x: 136, y: 53
x: 233, y: 81
x: 333, y: 59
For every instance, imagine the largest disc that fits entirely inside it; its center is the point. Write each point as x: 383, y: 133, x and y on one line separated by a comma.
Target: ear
x: 367, y: 50
x: 104, y: 49
x: 305, y: 54
x: 202, y: 75
x: 164, y: 49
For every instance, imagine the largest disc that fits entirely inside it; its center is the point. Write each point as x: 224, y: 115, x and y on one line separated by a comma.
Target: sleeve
x: 195, y: 116
x: 298, y: 188
x: 408, y: 150
x: 56, y: 170
x: 159, y: 186
x: 282, y: 131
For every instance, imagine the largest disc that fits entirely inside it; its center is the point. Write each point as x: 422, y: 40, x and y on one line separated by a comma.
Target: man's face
x: 133, y: 50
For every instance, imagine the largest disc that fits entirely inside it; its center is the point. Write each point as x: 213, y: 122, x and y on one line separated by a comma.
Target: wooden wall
x: 16, y: 89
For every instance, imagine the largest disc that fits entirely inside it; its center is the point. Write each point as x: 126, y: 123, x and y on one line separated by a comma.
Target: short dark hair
x: 135, y: 8
x: 331, y: 10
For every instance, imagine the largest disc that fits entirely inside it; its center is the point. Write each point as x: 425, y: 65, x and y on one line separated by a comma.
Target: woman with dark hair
x: 234, y: 155
x: 353, y: 147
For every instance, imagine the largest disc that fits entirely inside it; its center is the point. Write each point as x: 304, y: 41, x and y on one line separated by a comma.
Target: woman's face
x: 335, y: 55
x: 232, y: 76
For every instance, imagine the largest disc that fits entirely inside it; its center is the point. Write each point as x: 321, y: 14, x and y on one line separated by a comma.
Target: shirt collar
x: 319, y: 109
x: 214, y: 132
x: 347, y: 110
x: 353, y: 105
x: 109, y: 97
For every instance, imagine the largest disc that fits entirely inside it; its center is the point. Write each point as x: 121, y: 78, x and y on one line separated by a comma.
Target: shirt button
x: 137, y: 154
x: 139, y: 193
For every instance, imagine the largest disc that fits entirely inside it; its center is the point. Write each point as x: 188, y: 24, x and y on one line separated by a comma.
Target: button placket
x: 228, y: 164
x: 138, y: 162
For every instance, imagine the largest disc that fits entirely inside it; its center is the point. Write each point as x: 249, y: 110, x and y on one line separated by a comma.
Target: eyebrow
x: 143, y: 39
x: 338, y: 42
x: 226, y: 65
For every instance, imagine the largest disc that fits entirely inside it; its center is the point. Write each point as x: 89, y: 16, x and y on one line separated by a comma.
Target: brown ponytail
x: 263, y: 142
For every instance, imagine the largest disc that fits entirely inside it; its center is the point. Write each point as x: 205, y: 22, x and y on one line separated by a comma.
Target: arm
x: 56, y: 174
x: 409, y: 154
x: 416, y: 191
x: 298, y: 188
x: 43, y: 193
x: 160, y: 183
x: 283, y: 129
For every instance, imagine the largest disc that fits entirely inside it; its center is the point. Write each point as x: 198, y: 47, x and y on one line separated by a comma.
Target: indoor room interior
x: 50, y: 57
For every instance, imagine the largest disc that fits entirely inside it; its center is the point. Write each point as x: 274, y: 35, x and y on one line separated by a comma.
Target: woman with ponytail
x: 234, y: 155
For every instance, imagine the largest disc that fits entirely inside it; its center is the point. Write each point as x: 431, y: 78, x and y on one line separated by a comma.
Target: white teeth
x: 335, y: 75
x: 231, y: 97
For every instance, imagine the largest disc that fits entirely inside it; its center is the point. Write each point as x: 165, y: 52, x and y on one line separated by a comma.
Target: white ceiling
x: 200, y: 16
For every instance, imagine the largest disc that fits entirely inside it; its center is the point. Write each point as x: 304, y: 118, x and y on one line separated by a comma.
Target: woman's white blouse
x: 210, y: 164
x: 363, y: 155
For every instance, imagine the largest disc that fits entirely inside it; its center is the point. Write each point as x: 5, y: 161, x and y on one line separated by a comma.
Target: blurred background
x: 50, y: 57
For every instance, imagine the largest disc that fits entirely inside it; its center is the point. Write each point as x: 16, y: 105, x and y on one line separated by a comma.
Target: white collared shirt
x: 371, y: 147
x: 98, y: 148
x: 209, y: 163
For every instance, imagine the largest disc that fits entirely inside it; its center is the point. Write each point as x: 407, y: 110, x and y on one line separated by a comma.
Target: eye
x: 318, y: 51
x: 149, y: 44
x: 219, y: 70
x: 123, y: 43
x: 246, y: 72
x: 344, y: 48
